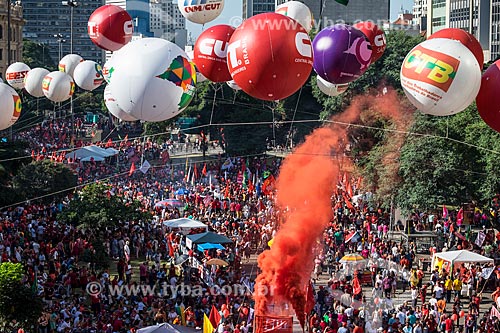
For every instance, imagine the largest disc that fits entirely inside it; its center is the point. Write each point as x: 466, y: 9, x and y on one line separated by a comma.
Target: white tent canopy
x: 185, y: 225
x: 455, y: 258
x: 90, y: 151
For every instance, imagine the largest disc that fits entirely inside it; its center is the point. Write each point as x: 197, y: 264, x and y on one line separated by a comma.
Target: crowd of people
x: 347, y: 297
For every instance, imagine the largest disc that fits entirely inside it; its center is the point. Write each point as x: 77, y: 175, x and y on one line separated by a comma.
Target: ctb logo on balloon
x: 432, y: 67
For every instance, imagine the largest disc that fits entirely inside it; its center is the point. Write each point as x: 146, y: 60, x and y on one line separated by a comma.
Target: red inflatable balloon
x: 375, y: 36
x: 270, y: 56
x: 488, y: 99
x: 110, y: 27
x: 210, y: 53
x: 465, y: 38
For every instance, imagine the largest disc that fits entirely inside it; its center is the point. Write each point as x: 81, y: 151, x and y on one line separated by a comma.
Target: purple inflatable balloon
x: 341, y: 53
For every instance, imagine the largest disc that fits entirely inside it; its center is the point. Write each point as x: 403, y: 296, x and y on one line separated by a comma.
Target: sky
x: 232, y: 14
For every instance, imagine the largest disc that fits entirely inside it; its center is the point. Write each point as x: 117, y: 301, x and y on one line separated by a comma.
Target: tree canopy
x: 20, y: 306
x: 96, y: 206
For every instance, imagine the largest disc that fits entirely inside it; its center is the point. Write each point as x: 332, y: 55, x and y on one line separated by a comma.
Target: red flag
x: 445, y: 212
x: 204, y: 171
x: 348, y: 202
x: 214, y: 317
x: 358, y: 184
x: 356, y: 286
x: 310, y: 302
x: 132, y: 169
x: 203, y: 137
x: 349, y: 189
x: 33, y: 154
x: 171, y: 251
x: 268, y: 185
x: 195, y: 172
x: 460, y: 215
x: 226, y: 192
x: 109, y: 143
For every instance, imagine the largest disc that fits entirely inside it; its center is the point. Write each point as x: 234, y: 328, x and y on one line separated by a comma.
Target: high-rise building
x: 420, y: 14
x: 49, y: 22
x: 254, y: 7
x: 495, y: 30
x: 16, y: 35
x: 167, y: 22
x: 474, y: 16
x: 357, y: 10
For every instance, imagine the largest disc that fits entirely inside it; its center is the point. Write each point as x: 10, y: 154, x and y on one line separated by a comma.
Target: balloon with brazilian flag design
x: 10, y: 106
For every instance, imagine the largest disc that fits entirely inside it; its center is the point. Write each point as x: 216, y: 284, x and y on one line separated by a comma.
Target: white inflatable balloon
x: 33, y: 81
x: 69, y: 62
x: 114, y: 108
x: 441, y: 77
x: 233, y: 85
x: 153, y: 79
x: 201, y: 11
x: 297, y: 11
x: 58, y: 86
x: 331, y: 89
x: 15, y: 73
x: 88, y: 75
x: 10, y: 106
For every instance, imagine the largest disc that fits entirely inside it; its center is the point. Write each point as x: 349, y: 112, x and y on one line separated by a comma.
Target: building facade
x: 475, y: 16
x: 254, y: 7
x: 167, y: 22
x: 49, y: 22
x: 420, y: 14
x: 357, y: 10
x: 495, y: 30
x: 16, y: 35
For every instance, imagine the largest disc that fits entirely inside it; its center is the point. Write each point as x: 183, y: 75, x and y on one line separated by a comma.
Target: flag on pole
x: 195, y: 172
x: 460, y: 216
x: 343, y: 2
x: 445, y: 212
x: 215, y: 316
x: 145, y: 167
x: 204, y: 171
x: 310, y: 301
x: 132, y: 169
x: 494, y: 312
x: 207, y: 325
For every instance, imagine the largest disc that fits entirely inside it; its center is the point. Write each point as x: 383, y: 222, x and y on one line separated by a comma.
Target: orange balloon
x: 462, y: 314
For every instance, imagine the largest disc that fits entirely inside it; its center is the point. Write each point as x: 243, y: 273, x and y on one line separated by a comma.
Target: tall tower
x: 49, y: 22
x: 167, y: 22
x: 254, y: 7
x: 377, y: 11
x: 15, y: 44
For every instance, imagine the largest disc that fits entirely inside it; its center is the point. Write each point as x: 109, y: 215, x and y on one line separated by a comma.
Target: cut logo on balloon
x: 193, y: 6
x: 214, y: 49
x: 62, y: 68
x: 17, y: 106
x: 182, y: 73
x: 72, y: 89
x: 432, y: 67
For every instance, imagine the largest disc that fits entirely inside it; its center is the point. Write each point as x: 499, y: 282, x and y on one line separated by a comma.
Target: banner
x: 481, y: 236
x: 267, y: 324
x: 486, y: 272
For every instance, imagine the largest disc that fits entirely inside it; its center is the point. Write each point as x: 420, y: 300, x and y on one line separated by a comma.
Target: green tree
x: 44, y: 178
x: 96, y: 207
x: 20, y: 306
x: 446, y: 164
x: 37, y: 55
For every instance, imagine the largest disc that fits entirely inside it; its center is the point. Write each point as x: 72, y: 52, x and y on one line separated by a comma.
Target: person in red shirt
x: 448, y: 325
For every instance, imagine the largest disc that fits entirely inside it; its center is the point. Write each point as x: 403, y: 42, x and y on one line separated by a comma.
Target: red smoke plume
x: 304, y: 189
